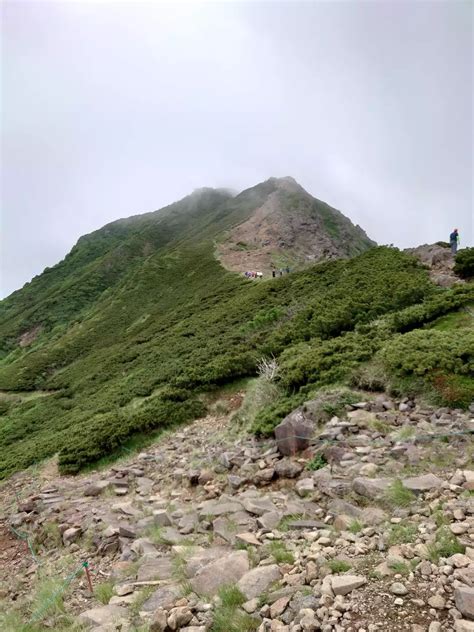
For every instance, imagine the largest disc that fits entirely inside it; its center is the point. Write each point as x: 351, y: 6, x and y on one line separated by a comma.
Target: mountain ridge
x: 131, y: 331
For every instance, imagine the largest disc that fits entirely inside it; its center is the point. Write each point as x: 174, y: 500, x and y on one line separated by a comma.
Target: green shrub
x: 317, y: 462
x: 464, y: 263
x: 423, y: 352
x: 445, y: 545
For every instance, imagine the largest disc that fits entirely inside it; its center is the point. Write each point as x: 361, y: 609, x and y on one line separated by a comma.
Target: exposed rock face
x: 439, y: 260
x: 293, y: 226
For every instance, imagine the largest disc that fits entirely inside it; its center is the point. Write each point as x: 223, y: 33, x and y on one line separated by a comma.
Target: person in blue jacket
x: 454, y: 241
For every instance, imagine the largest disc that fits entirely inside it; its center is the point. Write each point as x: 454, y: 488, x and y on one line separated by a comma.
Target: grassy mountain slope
x: 173, y: 323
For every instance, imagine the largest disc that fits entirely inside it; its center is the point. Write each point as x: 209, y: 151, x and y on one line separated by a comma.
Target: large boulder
x: 294, y: 433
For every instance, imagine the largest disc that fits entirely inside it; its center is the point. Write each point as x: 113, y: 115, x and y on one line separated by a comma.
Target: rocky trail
x: 370, y: 527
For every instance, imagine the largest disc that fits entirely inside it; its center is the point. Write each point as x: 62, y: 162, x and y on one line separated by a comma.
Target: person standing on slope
x: 454, y: 241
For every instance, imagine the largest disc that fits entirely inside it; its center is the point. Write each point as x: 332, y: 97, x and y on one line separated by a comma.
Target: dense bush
x: 423, y: 352
x: 179, y: 324
x: 464, y: 263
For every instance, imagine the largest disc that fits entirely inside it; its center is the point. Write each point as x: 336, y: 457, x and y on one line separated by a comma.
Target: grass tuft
x: 397, y: 495
x: 104, y: 592
x: 339, y: 566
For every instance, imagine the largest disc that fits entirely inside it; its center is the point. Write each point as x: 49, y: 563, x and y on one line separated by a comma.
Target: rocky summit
x: 368, y: 525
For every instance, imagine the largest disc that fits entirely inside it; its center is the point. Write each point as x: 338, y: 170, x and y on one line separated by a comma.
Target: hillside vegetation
x: 140, y: 321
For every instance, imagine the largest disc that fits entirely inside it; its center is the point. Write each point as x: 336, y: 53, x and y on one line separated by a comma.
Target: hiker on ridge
x: 454, y: 241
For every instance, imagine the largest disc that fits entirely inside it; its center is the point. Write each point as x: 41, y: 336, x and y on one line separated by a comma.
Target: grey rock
x: 71, y: 535
x: 258, y: 506
x: 164, y: 597
x: 103, y: 615
x: 344, y: 584
x: 225, y: 570
x: 161, y: 518
x: 156, y: 568
x: 287, y: 468
x: 269, y: 520
x: 397, y: 588
x: 95, y: 489
x: 423, y: 483
x: 464, y: 597
x: 371, y: 487
x: 256, y: 581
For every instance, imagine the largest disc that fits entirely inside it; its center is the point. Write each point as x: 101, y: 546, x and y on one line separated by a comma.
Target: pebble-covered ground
x: 370, y: 528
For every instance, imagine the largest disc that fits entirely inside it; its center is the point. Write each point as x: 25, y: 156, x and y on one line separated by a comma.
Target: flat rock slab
x: 464, y: 597
x: 103, y: 615
x: 424, y: 483
x: 157, y: 568
x: 371, y: 487
x: 258, y: 506
x: 226, y: 570
x: 164, y: 597
x: 214, y: 508
x: 256, y: 581
x: 202, y: 557
x: 344, y: 584
x: 225, y: 528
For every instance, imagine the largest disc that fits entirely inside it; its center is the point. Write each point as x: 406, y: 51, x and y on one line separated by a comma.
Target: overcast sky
x: 110, y: 109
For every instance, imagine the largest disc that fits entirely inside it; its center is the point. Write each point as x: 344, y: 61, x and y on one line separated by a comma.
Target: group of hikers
x: 252, y: 274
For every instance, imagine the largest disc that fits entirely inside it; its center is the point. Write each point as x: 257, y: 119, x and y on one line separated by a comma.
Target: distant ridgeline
x: 125, y: 335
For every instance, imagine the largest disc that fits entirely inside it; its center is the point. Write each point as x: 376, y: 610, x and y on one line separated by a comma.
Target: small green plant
x: 405, y: 433
x: 439, y: 517
x: 397, y: 495
x: 285, y: 522
x: 382, y: 427
x: 229, y: 620
x: 155, y: 533
x: 317, y: 462
x: 252, y: 553
x: 140, y: 599
x: 402, y: 533
x: 228, y: 617
x: 401, y: 568
x: 280, y: 553
x: 445, y: 545
x: 356, y: 526
x: 104, y: 591
x: 231, y: 596
x: 339, y: 566
x: 50, y: 535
